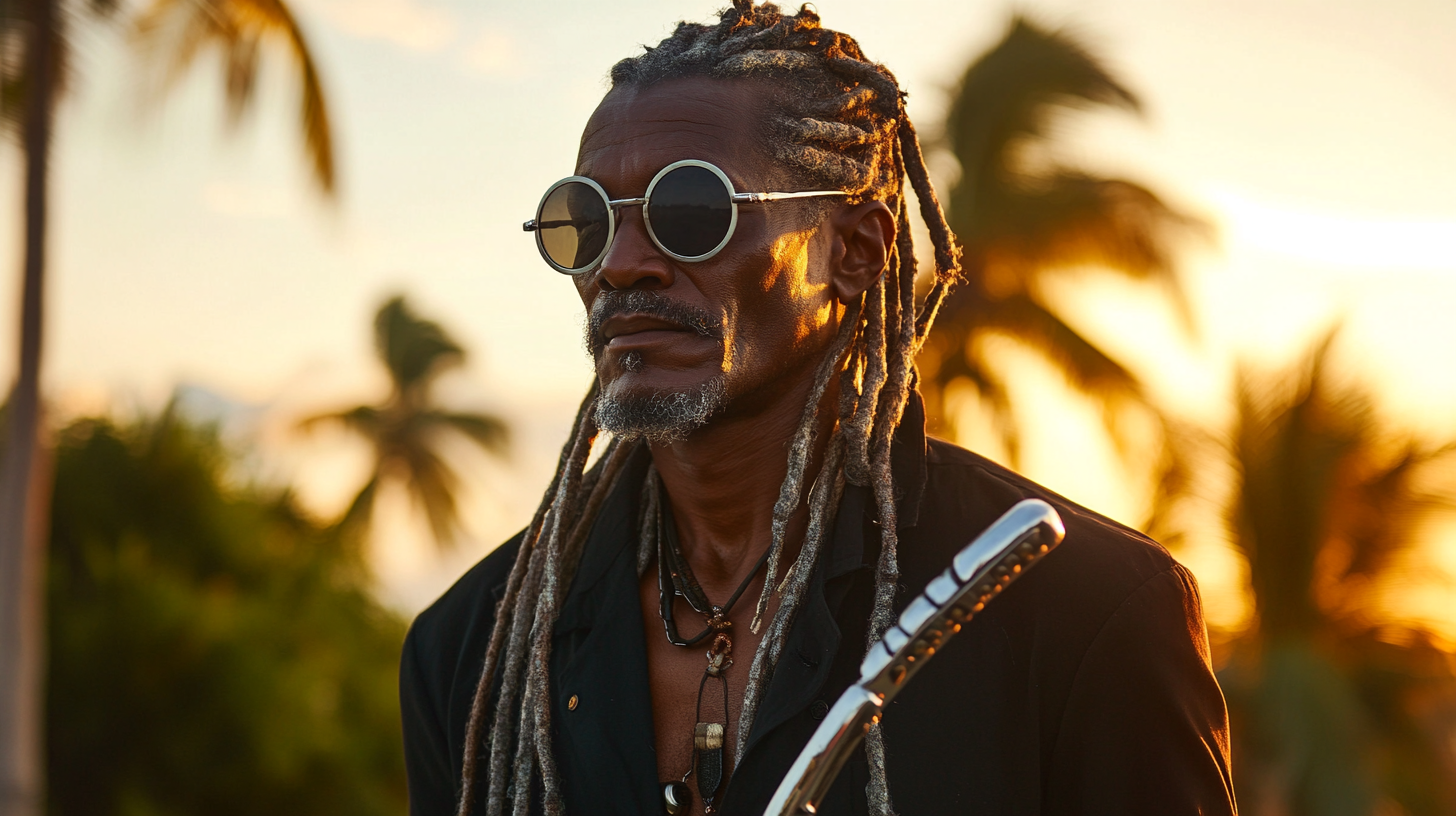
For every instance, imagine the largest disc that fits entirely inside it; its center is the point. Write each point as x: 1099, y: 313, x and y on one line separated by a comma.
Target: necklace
x: 675, y: 579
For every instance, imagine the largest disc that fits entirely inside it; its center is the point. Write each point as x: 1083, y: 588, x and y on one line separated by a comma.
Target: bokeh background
x: 1212, y: 262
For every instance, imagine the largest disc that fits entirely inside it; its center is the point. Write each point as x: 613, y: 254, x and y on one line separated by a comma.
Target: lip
x: 621, y: 327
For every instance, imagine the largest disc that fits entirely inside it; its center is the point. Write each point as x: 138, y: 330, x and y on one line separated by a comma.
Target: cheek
x: 584, y: 290
x: 784, y: 313
x: 795, y: 283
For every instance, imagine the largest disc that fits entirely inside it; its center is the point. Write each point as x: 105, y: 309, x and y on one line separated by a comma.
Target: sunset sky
x: 1316, y: 134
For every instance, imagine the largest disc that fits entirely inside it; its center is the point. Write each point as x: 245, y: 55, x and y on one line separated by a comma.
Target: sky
x: 1316, y: 135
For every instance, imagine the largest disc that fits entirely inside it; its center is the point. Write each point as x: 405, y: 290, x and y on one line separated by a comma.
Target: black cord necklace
x: 675, y: 578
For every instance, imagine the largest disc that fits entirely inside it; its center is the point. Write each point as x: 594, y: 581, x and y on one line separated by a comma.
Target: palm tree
x: 1020, y: 215
x: 1325, y: 690
x: 29, y: 88
x: 407, y: 429
x: 174, y: 33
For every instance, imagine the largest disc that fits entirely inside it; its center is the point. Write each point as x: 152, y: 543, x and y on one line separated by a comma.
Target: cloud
x: 493, y: 54
x: 407, y: 23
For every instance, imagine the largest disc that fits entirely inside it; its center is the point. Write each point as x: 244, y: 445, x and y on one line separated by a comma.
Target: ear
x: 867, y: 233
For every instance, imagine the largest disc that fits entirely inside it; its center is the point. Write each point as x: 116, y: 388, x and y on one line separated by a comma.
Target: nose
x: 633, y: 261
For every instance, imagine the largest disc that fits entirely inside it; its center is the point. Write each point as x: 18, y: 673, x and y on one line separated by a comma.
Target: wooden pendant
x: 708, y: 741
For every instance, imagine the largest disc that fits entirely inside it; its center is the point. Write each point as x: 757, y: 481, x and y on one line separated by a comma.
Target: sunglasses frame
x: 734, y: 199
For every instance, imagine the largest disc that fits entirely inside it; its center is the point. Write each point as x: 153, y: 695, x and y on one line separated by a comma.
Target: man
x: 667, y: 633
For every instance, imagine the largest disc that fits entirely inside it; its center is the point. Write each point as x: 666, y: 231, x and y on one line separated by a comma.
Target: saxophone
x: 1006, y: 550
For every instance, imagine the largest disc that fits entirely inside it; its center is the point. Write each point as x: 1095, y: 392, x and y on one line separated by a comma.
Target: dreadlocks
x: 836, y: 121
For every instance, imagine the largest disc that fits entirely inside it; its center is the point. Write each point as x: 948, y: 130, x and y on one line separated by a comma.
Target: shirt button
x: 819, y: 709
x: 571, y: 704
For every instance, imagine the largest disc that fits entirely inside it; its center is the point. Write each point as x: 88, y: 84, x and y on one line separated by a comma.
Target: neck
x: 723, y: 482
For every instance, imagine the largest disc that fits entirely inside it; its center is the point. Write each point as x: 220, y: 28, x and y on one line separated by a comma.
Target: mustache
x: 646, y: 302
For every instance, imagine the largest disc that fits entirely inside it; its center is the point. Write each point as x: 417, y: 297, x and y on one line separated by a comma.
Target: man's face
x: 677, y: 342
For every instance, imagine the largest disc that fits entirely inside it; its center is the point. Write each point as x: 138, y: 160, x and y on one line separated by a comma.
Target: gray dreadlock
x: 836, y: 121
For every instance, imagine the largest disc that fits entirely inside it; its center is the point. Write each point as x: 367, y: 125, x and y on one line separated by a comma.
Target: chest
x: 683, y: 694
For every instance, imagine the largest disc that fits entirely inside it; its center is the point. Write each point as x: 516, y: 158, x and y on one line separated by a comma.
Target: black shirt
x: 1084, y: 689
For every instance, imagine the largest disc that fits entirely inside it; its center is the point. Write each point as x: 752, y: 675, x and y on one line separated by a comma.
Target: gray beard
x: 664, y: 416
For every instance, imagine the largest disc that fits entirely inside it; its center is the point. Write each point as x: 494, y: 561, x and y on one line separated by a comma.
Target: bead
x: 708, y: 736
x: 676, y: 798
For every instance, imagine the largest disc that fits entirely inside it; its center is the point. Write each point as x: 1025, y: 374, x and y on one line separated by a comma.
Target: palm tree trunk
x: 24, y: 474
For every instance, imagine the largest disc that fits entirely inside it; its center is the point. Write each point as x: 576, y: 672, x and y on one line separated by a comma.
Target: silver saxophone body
x: 1011, y: 545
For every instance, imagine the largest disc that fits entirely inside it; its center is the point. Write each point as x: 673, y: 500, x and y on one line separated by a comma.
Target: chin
x: 661, y: 414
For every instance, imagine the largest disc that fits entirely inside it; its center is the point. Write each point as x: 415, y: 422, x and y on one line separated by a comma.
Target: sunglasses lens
x: 573, y: 225
x: 691, y: 211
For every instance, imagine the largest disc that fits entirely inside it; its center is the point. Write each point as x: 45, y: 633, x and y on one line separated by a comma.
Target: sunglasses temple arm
x: 754, y: 198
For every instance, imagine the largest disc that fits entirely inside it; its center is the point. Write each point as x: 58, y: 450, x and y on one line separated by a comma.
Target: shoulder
x: 439, y: 669
x: 959, y: 480
x: 1106, y: 590
x: 452, y: 633
x: 475, y: 592
x: 1099, y: 565
x: 1097, y: 656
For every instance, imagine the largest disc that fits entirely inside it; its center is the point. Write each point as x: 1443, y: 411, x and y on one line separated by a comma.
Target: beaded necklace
x: 675, y: 579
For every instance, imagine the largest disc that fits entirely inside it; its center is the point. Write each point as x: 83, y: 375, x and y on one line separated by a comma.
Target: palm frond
x: 1086, y: 367
x: 1328, y: 497
x: 1003, y: 415
x: 1287, y: 460
x: 14, y: 40
x: 241, y: 76
x: 413, y: 350
x: 432, y: 484
x: 356, y: 519
x: 489, y: 432
x: 313, y: 109
x: 1385, y: 507
x: 1019, y: 215
x: 172, y: 34
x: 407, y: 431
x: 991, y: 388
x: 366, y: 420
x: 1072, y: 219
x: 954, y: 356
x: 16, y: 27
x: 1012, y: 94
x: 1181, y: 484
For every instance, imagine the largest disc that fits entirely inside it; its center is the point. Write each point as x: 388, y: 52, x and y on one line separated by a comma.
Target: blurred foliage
x: 37, y: 66
x: 16, y: 25
x: 1337, y: 708
x: 212, y: 650
x: 408, y: 429
x: 1022, y: 216
x: 173, y: 34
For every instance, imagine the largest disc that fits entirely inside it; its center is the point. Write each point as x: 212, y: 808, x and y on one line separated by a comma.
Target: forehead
x: 635, y: 132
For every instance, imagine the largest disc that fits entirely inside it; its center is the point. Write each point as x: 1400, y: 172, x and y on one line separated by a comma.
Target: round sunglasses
x: 690, y: 211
